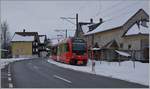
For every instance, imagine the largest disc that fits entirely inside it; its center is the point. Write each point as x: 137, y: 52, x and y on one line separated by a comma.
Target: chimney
x: 101, y: 20
x: 24, y: 30
x: 91, y: 20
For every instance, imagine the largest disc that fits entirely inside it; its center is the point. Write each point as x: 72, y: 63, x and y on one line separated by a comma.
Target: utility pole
x: 77, y: 24
x: 4, y: 30
x: 68, y: 19
x: 66, y: 33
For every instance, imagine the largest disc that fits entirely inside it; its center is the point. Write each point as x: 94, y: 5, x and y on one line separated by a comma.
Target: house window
x: 21, y: 50
x: 129, y: 46
x: 17, y: 50
x: 36, y: 43
x: 36, y: 50
x: 121, y: 45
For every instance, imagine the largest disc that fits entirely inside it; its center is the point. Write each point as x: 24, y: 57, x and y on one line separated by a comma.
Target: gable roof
x: 27, y: 33
x: 114, y: 23
x: 18, y: 37
x: 80, y: 30
x: 94, y: 26
x: 85, y: 28
x: 135, y: 30
x: 24, y: 36
x: 89, y: 27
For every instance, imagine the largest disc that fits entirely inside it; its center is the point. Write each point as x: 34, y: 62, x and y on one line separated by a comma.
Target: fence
x: 112, y: 55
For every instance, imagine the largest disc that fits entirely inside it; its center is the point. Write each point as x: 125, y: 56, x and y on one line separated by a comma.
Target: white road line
x: 10, y: 85
x: 35, y: 67
x: 9, y: 74
x: 62, y: 79
x: 9, y: 69
x: 29, y: 63
x: 9, y: 79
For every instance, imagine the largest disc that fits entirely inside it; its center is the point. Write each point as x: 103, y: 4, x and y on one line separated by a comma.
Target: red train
x: 71, y: 51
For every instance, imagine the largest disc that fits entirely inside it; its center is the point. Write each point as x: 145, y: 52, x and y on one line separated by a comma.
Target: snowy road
x: 38, y: 73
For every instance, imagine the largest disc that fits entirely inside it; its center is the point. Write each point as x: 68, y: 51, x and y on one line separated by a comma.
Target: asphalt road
x: 38, y: 73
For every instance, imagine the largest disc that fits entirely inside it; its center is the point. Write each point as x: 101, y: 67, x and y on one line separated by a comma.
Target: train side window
x: 55, y: 50
x: 67, y: 47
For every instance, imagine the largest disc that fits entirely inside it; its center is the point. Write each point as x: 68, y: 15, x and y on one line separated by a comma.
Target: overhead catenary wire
x: 106, y: 13
x: 121, y: 13
x: 107, y: 9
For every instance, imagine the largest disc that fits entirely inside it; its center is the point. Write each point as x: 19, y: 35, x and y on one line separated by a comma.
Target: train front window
x: 79, y: 47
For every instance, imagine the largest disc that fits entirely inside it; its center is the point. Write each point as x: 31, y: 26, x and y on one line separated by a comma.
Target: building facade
x: 119, y: 34
x: 43, y: 45
x: 25, y: 44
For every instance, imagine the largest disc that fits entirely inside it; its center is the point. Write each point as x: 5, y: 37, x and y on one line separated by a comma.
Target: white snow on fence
x: 124, y: 70
x: 95, y: 49
x: 123, y: 53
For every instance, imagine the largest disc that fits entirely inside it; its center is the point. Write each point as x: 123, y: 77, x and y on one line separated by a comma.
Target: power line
x: 122, y: 13
x: 109, y: 8
x: 123, y: 8
x: 118, y: 10
x: 78, y: 8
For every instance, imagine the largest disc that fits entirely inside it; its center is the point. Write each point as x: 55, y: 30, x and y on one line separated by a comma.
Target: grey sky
x: 44, y: 16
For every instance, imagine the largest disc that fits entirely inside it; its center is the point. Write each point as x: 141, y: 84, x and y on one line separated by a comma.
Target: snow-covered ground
x: 4, y: 62
x: 124, y: 71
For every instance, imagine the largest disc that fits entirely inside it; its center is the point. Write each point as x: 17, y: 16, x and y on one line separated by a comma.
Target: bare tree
x: 5, y: 40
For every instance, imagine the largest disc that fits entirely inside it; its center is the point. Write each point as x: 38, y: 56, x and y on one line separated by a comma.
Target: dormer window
x: 36, y: 50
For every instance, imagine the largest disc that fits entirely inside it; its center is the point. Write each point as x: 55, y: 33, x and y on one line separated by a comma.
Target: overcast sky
x: 44, y: 16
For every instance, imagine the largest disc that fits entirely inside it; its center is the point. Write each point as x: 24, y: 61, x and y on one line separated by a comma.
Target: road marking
x: 9, y: 79
x: 10, y: 85
x: 9, y: 69
x: 9, y: 74
x: 62, y: 79
x: 35, y: 67
x: 29, y: 63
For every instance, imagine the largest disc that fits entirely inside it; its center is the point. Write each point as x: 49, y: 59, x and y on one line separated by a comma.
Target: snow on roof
x: 134, y: 30
x: 123, y: 53
x: 115, y: 22
x: 42, y: 39
x: 22, y: 38
x: 85, y: 28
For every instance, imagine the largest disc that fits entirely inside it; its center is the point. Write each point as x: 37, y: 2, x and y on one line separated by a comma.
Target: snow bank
x: 4, y: 62
x: 124, y: 71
